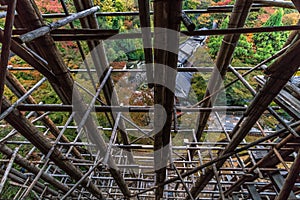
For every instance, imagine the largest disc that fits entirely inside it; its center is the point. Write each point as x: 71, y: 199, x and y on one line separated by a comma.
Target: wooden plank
x: 253, y: 192
x: 278, y: 183
x: 269, y: 160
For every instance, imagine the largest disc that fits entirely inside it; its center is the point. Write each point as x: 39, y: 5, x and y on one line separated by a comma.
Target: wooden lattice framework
x: 231, y: 168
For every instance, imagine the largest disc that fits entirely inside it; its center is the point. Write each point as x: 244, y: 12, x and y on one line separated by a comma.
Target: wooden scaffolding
x: 111, y: 164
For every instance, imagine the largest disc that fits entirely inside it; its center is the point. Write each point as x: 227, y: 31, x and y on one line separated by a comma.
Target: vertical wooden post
x: 144, y: 13
x: 6, y: 45
x: 167, y: 18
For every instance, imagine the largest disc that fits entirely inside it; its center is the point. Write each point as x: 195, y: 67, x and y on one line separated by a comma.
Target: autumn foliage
x: 223, y: 3
x: 49, y: 6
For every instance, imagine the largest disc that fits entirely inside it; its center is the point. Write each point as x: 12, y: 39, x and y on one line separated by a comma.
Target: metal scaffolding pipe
x: 27, y: 37
x: 22, y: 125
x: 8, y: 168
x: 22, y: 99
x: 33, y: 169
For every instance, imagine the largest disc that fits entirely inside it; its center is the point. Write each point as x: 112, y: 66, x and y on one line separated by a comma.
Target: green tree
x: 191, y: 4
x: 199, y: 86
x: 269, y: 43
x: 214, y: 42
x: 243, y: 51
x: 116, y: 22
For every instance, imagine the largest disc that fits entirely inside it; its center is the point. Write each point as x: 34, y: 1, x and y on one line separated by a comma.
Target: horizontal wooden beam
x: 281, y: 4
x: 94, y: 34
x: 214, y: 9
x: 68, y: 108
x: 242, y: 30
x: 180, y: 69
x: 70, y: 37
x: 76, y: 31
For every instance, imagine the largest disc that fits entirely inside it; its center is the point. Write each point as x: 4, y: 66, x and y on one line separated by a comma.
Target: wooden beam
x: 167, y: 15
x: 6, y: 45
x: 212, y: 9
x: 14, y: 84
x: 253, y: 192
x: 144, y: 14
x: 83, y: 34
x: 101, y: 63
x: 68, y: 108
x: 31, y: 58
x: 83, y: 31
x: 285, y: 99
x: 237, y: 20
x: 21, y: 180
x: 281, y: 4
x: 94, y: 34
x: 286, y: 190
x: 45, y: 46
x: 273, y: 86
x: 297, y: 4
